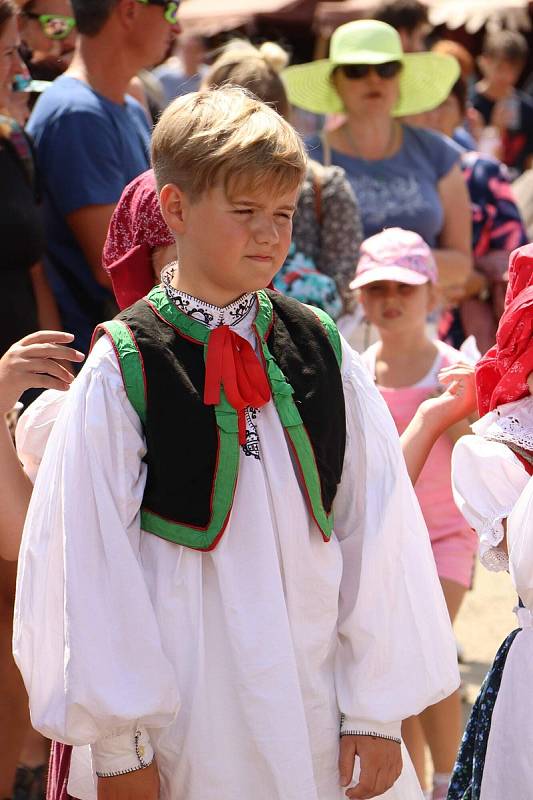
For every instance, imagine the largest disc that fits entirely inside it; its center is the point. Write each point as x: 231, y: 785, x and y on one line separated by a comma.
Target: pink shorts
x: 455, y: 556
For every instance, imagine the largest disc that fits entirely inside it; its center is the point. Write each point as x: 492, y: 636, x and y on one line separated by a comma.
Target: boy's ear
x: 173, y: 203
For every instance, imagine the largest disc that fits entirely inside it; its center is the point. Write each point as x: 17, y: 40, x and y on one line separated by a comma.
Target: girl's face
x: 397, y: 307
x: 369, y: 96
x: 10, y: 61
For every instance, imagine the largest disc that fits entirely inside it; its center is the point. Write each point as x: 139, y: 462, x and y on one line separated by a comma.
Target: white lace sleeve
x: 487, y: 481
x: 520, y: 542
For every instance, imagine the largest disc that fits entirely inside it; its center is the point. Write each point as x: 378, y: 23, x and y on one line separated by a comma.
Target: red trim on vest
x: 304, y: 484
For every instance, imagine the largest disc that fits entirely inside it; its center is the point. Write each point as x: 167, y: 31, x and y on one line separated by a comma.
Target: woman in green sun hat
x: 403, y: 176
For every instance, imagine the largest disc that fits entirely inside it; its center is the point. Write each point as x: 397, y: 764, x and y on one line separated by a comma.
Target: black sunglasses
x: 358, y: 71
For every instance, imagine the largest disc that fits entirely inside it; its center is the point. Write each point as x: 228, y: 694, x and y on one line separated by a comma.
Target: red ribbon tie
x: 232, y: 363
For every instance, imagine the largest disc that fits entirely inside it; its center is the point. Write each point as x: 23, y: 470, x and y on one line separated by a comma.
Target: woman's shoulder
x: 438, y: 152
x: 334, y: 182
x: 314, y: 146
x: 431, y: 143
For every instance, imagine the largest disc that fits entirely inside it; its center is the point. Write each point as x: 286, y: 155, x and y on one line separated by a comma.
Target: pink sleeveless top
x: 434, y: 487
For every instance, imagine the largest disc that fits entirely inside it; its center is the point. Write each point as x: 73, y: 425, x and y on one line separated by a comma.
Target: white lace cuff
x: 491, y: 534
x: 383, y: 730
x: 494, y: 559
x: 123, y: 751
x: 492, y: 531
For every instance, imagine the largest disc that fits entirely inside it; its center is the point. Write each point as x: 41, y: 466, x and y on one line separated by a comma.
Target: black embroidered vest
x: 192, y: 449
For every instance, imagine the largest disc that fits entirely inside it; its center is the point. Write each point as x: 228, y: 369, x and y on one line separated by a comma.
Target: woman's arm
x: 47, y: 311
x: 341, y: 230
x: 30, y: 363
x: 454, y: 254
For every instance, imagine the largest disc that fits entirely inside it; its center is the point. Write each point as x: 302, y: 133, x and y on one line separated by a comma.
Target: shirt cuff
x: 351, y: 726
x: 124, y: 750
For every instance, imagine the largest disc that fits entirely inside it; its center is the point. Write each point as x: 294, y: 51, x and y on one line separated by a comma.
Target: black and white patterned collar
x: 212, y: 316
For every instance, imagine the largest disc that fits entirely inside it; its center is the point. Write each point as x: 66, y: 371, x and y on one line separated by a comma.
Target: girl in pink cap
x: 396, y: 278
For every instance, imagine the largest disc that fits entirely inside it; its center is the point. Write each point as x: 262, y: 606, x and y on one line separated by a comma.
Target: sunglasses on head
x: 171, y: 8
x: 357, y: 71
x: 53, y: 26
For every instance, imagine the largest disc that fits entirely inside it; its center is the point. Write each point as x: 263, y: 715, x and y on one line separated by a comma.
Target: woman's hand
x: 35, y: 363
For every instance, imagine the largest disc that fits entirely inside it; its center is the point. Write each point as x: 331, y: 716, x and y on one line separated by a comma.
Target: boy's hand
x: 35, y: 363
x: 381, y: 765
x: 140, y: 785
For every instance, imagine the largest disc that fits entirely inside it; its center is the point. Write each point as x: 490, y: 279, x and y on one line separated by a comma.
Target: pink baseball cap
x: 395, y: 255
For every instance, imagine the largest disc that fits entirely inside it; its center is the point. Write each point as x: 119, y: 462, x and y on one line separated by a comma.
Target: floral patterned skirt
x: 468, y: 771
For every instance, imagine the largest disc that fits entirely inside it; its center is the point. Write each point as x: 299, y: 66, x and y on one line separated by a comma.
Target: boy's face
x: 501, y: 73
x: 228, y: 246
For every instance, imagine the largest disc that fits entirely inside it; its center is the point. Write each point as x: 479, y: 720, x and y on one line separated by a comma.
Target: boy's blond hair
x: 229, y: 138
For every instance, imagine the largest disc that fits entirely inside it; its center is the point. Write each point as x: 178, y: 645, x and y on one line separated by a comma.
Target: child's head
x: 254, y: 68
x: 396, y: 276
x: 503, y: 58
x: 229, y: 170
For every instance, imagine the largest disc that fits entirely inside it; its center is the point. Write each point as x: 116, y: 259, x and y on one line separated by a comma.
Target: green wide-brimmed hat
x: 426, y: 79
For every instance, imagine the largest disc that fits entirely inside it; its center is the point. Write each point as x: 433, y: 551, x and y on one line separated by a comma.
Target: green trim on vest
x: 282, y: 393
x: 131, y: 364
x: 226, y: 417
x: 331, y: 330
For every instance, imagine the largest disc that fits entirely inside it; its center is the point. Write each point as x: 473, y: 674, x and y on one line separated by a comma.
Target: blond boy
x: 226, y: 587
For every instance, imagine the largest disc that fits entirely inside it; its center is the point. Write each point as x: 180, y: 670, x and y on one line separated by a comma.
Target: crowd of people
x: 245, y: 526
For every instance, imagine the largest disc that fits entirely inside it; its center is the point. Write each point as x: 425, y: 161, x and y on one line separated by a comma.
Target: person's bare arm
x: 143, y: 784
x: 454, y: 254
x: 436, y: 415
x: 47, y: 311
x: 89, y: 225
x: 31, y: 363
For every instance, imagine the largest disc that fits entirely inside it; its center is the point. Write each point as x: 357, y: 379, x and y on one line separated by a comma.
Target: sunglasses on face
x: 170, y: 7
x: 53, y: 26
x: 358, y: 71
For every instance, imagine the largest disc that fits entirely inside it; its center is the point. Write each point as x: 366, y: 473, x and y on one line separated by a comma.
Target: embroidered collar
x: 206, y: 313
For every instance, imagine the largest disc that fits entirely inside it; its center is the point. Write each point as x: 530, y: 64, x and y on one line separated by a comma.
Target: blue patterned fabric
x: 468, y: 771
x: 299, y: 278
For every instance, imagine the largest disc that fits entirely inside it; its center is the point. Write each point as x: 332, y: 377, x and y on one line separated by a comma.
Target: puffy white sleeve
x: 487, y: 480
x: 397, y: 653
x: 34, y: 427
x: 520, y: 545
x: 86, y: 638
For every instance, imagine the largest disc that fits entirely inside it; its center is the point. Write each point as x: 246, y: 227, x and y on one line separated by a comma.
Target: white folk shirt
x: 234, y: 664
x: 491, y: 486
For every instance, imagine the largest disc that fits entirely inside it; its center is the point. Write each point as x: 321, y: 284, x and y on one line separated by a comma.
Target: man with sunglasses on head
x: 92, y: 139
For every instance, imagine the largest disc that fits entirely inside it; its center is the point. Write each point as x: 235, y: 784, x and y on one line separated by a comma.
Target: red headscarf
x: 501, y: 375
x: 136, y: 228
